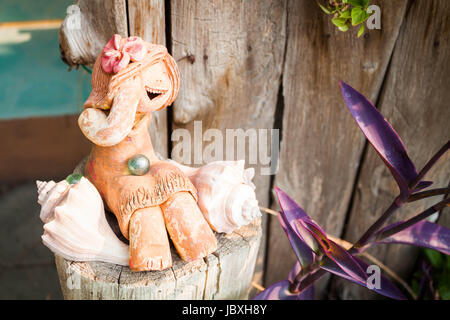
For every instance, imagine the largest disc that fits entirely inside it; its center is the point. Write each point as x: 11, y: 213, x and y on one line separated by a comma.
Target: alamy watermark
x: 259, y: 147
x: 374, y: 21
x: 374, y: 277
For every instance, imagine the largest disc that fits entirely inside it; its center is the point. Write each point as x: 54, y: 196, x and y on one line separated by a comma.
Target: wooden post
x: 321, y: 145
x: 230, y: 55
x: 146, y: 19
x: 415, y: 101
x: 225, y: 274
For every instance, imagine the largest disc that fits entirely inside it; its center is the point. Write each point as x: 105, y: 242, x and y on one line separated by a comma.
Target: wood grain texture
x: 225, y: 274
x: 82, y: 40
x: 146, y: 19
x: 415, y: 101
x: 230, y: 56
x: 321, y: 145
x: 40, y: 148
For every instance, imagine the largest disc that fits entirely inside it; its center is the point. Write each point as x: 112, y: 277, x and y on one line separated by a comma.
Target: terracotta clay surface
x: 116, y: 118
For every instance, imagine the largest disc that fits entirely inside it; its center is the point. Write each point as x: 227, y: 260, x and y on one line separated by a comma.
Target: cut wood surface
x: 146, y: 19
x: 321, y: 145
x: 225, y: 274
x: 230, y: 56
x: 415, y: 101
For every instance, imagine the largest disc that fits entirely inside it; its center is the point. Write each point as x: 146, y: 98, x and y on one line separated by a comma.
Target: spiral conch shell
x: 226, y: 194
x: 75, y: 224
x: 50, y: 195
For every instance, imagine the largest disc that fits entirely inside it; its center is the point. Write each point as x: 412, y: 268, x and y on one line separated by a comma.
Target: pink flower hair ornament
x: 118, y: 53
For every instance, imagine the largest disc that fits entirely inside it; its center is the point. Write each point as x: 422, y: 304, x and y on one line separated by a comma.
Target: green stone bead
x: 74, y: 178
x: 138, y: 165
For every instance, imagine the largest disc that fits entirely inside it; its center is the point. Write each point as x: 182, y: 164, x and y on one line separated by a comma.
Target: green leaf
x: 358, y: 16
x: 344, y: 28
x: 361, y: 30
x: 359, y: 3
x: 345, y: 14
x: 327, y: 11
x: 435, y: 258
x: 339, y: 22
x: 74, y: 178
x: 443, y: 284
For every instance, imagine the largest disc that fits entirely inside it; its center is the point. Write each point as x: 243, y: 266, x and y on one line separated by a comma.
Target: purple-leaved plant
x: 318, y: 255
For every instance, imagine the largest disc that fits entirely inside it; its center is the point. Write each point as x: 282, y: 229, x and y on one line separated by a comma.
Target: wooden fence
x: 275, y: 64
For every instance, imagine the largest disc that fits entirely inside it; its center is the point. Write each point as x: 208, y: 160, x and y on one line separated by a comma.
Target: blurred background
x: 39, y: 101
x: 265, y: 64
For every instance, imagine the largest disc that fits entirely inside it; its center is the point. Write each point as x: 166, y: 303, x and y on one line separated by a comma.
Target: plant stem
x: 366, y: 237
x: 428, y: 193
x: 269, y: 211
x: 430, y: 164
x: 310, y: 279
x: 257, y: 286
x: 86, y: 68
x: 408, y: 223
x: 347, y: 245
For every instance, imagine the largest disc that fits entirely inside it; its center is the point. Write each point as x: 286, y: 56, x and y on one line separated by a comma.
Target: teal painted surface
x: 23, y: 10
x: 33, y: 79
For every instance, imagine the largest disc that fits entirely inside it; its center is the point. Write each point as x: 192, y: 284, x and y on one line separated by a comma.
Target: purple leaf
x: 307, y: 294
x: 291, y: 219
x: 294, y: 271
x: 382, y: 137
x: 426, y: 282
x: 422, y: 234
x: 280, y: 290
x: 302, y: 231
x: 277, y: 291
x: 302, y: 250
x: 387, y: 288
x: 422, y: 185
x: 345, y: 261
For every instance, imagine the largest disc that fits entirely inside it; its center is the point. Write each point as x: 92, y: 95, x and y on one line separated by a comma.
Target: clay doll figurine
x: 131, y: 79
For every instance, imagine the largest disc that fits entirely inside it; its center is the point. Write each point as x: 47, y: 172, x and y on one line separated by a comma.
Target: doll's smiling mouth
x: 154, y: 93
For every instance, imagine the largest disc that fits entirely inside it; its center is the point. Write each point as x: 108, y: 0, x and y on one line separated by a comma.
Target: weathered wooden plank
x: 225, y: 274
x: 86, y: 30
x: 321, y: 145
x: 146, y: 19
x: 415, y: 100
x: 230, y: 57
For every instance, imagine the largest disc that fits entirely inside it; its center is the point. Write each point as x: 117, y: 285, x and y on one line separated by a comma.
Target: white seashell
x: 79, y: 230
x: 226, y: 194
x: 50, y: 195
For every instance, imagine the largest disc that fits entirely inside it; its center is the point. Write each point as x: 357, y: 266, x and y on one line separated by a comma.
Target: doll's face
x: 118, y: 101
x: 157, y: 85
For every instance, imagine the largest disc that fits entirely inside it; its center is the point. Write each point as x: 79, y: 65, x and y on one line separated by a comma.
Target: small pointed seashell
x: 79, y: 230
x: 226, y: 193
x: 50, y: 195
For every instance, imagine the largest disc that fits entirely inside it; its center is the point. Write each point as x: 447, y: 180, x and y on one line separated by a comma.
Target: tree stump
x: 225, y: 274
